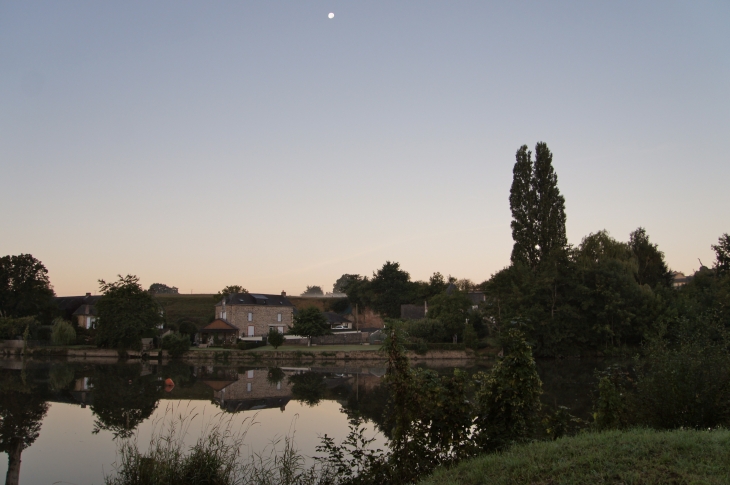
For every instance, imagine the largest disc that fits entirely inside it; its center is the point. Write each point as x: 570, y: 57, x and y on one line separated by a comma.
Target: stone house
x: 254, y: 314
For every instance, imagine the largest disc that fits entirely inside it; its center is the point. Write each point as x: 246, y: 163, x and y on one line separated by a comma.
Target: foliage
x: 509, y: 397
x: 275, y: 338
x: 275, y: 375
x: 389, y: 288
x: 10, y: 328
x: 176, y: 344
x: 684, y: 380
x: 310, y: 322
x: 187, y: 327
x: 63, y: 332
x: 343, y: 282
x: 124, y: 313
x: 313, y: 291
x: 538, y: 209
x: 722, y: 254
x: 652, y: 269
x: 613, y: 407
x: 160, y: 288
x: 427, y: 330
x: 25, y: 290
x: 60, y: 376
x: 470, y: 336
x: 450, y: 308
x: 229, y: 290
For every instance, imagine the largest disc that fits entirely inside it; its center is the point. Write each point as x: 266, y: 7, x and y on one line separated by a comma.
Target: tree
x: 722, y: 254
x: 309, y: 323
x: 342, y: 283
x: 63, y: 332
x: 25, y: 289
x: 176, y: 344
x: 124, y: 313
x: 308, y: 387
x: 313, y: 291
x: 159, y: 288
x: 538, y: 209
x: 275, y: 338
x: 229, y: 290
x: 450, y: 308
x: 389, y: 289
x: 652, y: 269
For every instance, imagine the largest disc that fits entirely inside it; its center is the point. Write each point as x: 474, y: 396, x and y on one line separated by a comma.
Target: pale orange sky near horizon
x: 264, y: 144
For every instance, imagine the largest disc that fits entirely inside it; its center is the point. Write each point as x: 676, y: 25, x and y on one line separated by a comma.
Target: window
x: 278, y: 385
x: 280, y: 329
x: 250, y: 330
x: 248, y: 386
x: 278, y: 317
x: 250, y: 374
x: 250, y: 317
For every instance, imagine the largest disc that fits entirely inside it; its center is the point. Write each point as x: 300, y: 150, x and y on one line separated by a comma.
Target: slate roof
x: 70, y: 304
x: 256, y: 299
x: 85, y: 310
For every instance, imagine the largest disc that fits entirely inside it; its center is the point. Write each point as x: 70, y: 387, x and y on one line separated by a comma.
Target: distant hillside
x: 200, y: 309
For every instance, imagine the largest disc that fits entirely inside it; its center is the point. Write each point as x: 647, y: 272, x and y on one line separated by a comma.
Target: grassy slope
x: 199, y: 308
x: 631, y: 457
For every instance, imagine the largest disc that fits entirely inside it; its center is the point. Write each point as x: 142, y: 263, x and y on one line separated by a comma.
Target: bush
x: 176, y: 344
x: 11, y: 328
x: 275, y: 338
x: 63, y: 332
x: 244, y: 345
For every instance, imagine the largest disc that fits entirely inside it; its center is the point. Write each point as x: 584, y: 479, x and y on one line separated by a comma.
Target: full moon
x: 331, y: 15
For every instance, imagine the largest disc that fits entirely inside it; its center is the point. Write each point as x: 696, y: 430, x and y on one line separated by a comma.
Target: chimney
x: 88, y: 295
x: 283, y: 293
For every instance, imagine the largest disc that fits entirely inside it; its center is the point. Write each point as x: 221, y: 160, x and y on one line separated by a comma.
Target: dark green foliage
x: 508, y: 400
x: 10, y: 328
x: 538, y: 209
x: 426, y: 330
x: 124, y: 313
x: 310, y: 322
x: 176, y: 344
x: 60, y: 377
x: 722, y: 254
x: 63, y: 332
x: 187, y: 327
x: 613, y: 407
x: 389, y: 289
x: 229, y: 290
x: 652, y: 269
x: 159, y: 288
x: 451, y: 309
x: 343, y: 282
x: 684, y: 380
x: 275, y: 375
x: 275, y: 338
x: 25, y: 290
x: 313, y: 291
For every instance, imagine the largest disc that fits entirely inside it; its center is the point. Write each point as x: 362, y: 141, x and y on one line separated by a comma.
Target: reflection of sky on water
x: 67, y: 451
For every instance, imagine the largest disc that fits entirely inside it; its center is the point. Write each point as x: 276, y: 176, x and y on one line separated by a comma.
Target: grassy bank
x: 631, y: 457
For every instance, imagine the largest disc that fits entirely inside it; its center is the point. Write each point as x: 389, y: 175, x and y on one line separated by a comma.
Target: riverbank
x: 636, y: 456
x: 261, y: 354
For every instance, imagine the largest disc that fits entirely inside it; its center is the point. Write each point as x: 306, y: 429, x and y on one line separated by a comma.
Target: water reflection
x: 22, y: 409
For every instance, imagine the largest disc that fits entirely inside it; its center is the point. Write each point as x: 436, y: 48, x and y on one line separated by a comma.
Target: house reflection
x: 251, y: 389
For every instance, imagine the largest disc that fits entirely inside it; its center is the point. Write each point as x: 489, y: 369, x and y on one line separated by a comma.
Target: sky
x: 204, y: 144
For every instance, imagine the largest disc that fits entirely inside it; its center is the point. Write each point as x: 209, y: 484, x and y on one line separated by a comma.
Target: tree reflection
x: 308, y: 387
x: 123, y: 398
x: 22, y: 409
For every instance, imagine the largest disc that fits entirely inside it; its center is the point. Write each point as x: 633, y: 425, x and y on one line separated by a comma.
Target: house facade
x: 254, y: 313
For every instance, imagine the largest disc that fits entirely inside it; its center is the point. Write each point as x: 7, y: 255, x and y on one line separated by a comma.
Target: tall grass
x: 214, y: 459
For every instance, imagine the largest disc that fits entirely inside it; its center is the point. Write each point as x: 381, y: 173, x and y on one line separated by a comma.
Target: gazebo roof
x: 219, y: 325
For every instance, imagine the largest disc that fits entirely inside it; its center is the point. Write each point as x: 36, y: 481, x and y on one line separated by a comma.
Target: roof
x: 72, y: 303
x: 85, y: 310
x: 219, y: 325
x: 477, y: 297
x: 256, y: 299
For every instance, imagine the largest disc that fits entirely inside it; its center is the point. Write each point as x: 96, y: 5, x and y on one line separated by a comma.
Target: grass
x: 632, y: 457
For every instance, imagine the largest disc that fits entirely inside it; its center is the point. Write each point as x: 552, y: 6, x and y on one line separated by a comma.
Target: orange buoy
x: 168, y: 382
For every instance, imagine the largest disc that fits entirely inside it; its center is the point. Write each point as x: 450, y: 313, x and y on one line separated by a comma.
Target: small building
x: 85, y: 315
x: 81, y: 309
x: 253, y: 314
x: 337, y: 321
x: 221, y: 330
x: 680, y: 279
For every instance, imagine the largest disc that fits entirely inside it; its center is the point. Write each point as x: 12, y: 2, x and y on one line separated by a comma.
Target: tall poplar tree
x: 538, y: 209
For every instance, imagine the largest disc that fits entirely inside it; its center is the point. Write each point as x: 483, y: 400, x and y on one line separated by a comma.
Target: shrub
x: 176, y: 344
x: 11, y: 328
x: 63, y: 332
x: 244, y: 345
x: 275, y: 338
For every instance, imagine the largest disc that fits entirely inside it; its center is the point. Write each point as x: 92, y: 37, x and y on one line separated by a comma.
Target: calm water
x: 70, y: 415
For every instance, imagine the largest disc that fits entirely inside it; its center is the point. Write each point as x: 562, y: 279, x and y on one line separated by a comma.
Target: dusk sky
x: 203, y: 144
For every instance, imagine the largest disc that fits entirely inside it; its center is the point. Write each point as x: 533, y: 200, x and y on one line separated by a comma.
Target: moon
x: 331, y: 15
